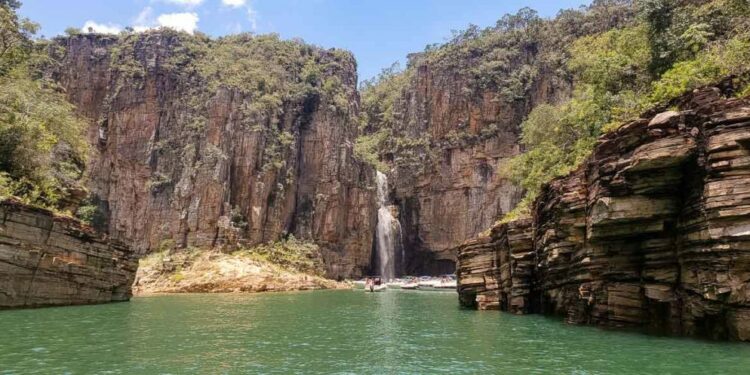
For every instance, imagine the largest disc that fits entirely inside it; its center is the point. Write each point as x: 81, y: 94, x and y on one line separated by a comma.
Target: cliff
x: 651, y: 232
x: 448, y: 127
x: 222, y: 143
x: 47, y: 260
x: 456, y: 190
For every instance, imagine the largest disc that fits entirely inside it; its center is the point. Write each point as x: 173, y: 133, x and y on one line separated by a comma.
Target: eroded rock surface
x: 177, y: 161
x: 653, y: 231
x: 456, y: 190
x: 47, y: 260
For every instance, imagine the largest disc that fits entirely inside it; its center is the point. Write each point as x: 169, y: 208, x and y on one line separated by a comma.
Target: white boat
x: 447, y: 285
x: 410, y: 285
x: 376, y: 288
x: 442, y: 283
x: 428, y: 283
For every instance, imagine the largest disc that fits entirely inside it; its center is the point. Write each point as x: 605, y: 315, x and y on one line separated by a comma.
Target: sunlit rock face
x: 174, y: 160
x: 47, y: 260
x: 458, y: 190
x: 653, y: 231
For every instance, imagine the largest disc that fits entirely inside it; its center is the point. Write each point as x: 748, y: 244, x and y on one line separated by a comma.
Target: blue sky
x: 379, y: 32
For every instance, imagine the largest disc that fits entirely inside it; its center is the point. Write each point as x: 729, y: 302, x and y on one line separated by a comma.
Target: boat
x: 411, y: 285
x: 374, y: 284
x: 408, y: 282
x: 376, y: 288
x: 447, y: 283
x: 441, y: 283
x: 428, y: 283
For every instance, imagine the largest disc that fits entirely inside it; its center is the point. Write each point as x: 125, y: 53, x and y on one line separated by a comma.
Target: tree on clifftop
x: 42, y: 147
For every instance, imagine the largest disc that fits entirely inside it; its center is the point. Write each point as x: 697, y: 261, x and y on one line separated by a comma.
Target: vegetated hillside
x: 231, y: 142
x: 42, y: 152
x: 473, y: 127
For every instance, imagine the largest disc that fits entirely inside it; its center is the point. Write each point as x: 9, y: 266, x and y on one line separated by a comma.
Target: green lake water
x: 336, y: 332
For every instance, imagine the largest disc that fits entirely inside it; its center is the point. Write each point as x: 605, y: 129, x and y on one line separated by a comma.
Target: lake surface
x: 339, y: 332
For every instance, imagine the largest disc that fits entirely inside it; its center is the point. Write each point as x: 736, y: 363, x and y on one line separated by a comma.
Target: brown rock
x: 194, y: 174
x: 457, y: 191
x: 46, y: 260
x: 653, y: 231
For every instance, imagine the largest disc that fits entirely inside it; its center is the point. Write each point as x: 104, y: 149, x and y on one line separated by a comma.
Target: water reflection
x: 332, y: 332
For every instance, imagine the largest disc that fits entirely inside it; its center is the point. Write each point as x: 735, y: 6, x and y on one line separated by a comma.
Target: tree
x: 42, y: 148
x: 15, y: 38
x: 10, y: 4
x: 657, y: 15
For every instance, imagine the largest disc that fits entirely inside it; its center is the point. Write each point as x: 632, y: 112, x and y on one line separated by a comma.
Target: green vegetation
x: 290, y: 253
x: 42, y: 143
x: 672, y: 48
x: 619, y: 56
x: 267, y: 74
x: 506, y: 59
x: 379, y: 102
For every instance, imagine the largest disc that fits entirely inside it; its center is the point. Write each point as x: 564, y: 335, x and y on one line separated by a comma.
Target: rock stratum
x: 177, y: 159
x: 48, y: 260
x: 652, y: 232
x: 454, y: 192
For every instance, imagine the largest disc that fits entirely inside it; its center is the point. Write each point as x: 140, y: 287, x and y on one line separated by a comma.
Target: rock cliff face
x: 458, y: 191
x: 47, y: 260
x: 653, y: 231
x: 176, y: 162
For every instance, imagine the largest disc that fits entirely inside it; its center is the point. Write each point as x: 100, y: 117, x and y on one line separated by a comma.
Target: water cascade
x: 388, y: 233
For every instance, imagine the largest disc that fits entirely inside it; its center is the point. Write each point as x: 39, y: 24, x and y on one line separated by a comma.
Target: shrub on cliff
x: 291, y: 254
x: 506, y: 59
x: 618, y: 74
x: 619, y: 56
x: 267, y: 74
x: 42, y: 143
x: 378, y: 117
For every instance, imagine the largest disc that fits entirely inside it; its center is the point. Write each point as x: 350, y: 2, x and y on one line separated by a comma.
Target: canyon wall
x: 653, y: 231
x: 48, y: 260
x: 456, y: 189
x: 179, y: 162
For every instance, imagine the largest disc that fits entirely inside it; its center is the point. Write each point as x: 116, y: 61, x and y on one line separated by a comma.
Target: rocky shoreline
x: 652, y: 232
x: 52, y: 260
x: 216, y: 272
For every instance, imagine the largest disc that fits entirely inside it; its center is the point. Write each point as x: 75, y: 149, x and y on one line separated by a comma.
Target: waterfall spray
x: 388, y: 232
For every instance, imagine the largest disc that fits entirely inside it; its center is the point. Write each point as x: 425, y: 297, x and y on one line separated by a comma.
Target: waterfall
x: 388, y: 233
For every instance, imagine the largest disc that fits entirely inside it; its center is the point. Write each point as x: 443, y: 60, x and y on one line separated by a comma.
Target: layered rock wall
x: 176, y: 162
x: 652, y: 232
x: 457, y: 191
x: 46, y: 260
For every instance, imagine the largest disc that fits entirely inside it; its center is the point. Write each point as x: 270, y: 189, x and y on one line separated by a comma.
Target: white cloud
x: 185, y: 3
x: 234, y: 3
x: 145, y: 20
x: 101, y: 28
x: 187, y: 22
